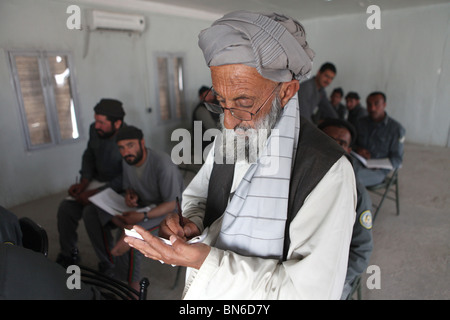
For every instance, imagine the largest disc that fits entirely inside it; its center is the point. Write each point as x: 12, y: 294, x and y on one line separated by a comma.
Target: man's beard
x: 247, y: 143
x: 132, y: 160
x: 105, y: 135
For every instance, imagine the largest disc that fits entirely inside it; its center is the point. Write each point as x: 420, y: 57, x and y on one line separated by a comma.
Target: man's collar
x: 383, y: 122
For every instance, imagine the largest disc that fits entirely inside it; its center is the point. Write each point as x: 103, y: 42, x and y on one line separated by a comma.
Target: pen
x: 180, y: 216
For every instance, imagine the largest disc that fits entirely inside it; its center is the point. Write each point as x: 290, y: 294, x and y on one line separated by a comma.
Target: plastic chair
x: 384, y: 188
x: 34, y: 237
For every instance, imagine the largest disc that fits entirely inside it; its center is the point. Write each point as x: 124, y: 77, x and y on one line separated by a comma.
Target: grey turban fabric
x: 274, y: 44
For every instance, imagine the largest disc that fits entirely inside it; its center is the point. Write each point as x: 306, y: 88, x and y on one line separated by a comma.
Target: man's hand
x: 179, y: 253
x: 83, y: 197
x: 171, y: 226
x: 131, y: 217
x: 131, y: 198
x: 363, y: 152
x: 78, y: 188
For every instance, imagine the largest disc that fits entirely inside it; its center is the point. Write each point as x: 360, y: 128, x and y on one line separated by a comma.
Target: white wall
x: 116, y: 65
x: 408, y: 59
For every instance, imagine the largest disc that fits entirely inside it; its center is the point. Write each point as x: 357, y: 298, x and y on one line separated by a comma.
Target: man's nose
x: 229, y: 121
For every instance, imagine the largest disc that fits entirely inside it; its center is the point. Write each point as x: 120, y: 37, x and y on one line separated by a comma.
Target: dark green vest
x: 316, y: 154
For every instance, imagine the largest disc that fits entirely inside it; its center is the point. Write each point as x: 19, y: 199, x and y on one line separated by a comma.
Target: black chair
x: 112, y: 289
x: 34, y: 237
x: 384, y: 189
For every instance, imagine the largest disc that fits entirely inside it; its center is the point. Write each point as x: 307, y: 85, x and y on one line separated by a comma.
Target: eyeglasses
x: 240, y: 114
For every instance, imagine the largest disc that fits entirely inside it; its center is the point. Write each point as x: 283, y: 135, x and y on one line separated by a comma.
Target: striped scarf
x: 254, y: 220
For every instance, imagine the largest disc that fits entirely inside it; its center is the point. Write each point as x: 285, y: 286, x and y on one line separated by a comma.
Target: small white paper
x: 135, y: 234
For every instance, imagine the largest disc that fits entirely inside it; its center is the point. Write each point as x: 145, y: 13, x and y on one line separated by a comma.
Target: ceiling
x: 300, y: 9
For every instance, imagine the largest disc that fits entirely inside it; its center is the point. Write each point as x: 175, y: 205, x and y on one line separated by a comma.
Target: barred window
x: 45, y: 92
x: 170, y: 86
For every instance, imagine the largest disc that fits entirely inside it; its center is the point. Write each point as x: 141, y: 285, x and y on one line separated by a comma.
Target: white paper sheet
x: 383, y: 163
x: 113, y: 203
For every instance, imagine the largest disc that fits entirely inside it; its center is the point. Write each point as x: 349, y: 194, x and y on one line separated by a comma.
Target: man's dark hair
x: 352, y: 95
x: 111, y: 108
x: 202, y: 90
x: 328, y: 66
x: 114, y: 119
x: 335, y: 122
x: 375, y: 93
x: 129, y: 132
x: 338, y: 90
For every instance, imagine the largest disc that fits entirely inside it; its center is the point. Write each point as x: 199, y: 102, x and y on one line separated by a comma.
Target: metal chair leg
x: 397, y: 197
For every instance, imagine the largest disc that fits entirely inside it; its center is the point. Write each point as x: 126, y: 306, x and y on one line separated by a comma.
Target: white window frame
x: 170, y: 56
x: 48, y: 96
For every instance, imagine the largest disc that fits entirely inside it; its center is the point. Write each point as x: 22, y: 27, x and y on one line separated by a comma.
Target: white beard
x: 244, y: 144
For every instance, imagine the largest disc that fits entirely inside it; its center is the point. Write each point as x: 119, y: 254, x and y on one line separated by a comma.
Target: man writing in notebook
x: 278, y: 227
x: 378, y: 137
x: 150, y: 180
x: 101, y: 167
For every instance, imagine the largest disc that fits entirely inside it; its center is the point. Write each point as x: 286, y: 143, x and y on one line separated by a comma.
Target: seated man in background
x: 378, y: 137
x: 150, y: 180
x: 335, y: 100
x: 355, y: 110
x: 101, y: 167
x: 312, y: 98
x: 361, y: 245
x: 208, y: 119
x: 278, y: 227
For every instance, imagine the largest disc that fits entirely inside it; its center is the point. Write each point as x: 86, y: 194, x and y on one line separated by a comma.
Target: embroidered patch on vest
x: 366, y: 219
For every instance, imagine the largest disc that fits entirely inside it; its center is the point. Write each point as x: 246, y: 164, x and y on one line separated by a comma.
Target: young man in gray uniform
x: 361, y: 245
x: 101, y: 168
x: 312, y: 98
x: 150, y: 179
x: 378, y: 137
x: 355, y: 110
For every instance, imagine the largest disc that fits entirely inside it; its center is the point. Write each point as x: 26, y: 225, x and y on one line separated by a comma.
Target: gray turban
x: 274, y: 44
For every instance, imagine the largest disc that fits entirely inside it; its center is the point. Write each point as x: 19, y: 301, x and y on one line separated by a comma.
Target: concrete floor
x: 411, y: 256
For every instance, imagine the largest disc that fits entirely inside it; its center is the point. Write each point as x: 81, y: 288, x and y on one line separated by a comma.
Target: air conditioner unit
x: 102, y: 20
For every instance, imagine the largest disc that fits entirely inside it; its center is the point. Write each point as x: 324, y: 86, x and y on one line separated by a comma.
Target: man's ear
x: 288, y: 90
x: 117, y: 124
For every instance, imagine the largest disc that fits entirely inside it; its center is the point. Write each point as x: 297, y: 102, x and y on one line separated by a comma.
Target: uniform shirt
x: 310, y: 98
x: 355, y: 114
x: 102, y: 160
x: 383, y: 139
x: 341, y: 110
x: 361, y: 246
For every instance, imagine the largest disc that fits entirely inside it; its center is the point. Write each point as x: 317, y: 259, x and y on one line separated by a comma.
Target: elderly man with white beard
x: 278, y: 227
